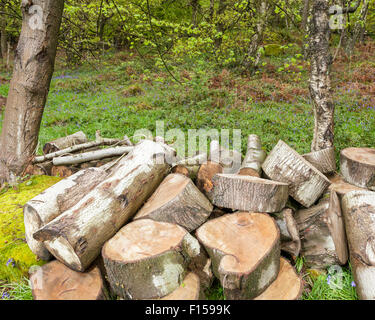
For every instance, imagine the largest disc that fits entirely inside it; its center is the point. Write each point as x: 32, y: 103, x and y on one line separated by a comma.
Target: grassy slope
x: 123, y: 96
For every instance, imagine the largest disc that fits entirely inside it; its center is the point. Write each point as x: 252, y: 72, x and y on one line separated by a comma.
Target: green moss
x: 273, y: 50
x: 12, y: 231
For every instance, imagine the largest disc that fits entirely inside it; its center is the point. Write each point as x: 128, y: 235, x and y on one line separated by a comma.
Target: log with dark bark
x: 63, y: 171
x: 287, y: 286
x: 340, y: 186
x: 245, y: 252
x: 54, y: 201
x: 289, y: 234
x: 324, y: 160
x: 55, y: 281
x: 358, y: 167
x: 322, y: 232
x: 147, y: 259
x: 76, y: 236
x: 205, y: 175
x: 33, y: 68
x: 177, y: 200
x: 248, y: 193
x: 359, y: 213
x: 39, y: 169
x: 65, y: 142
x: 306, y: 183
x: 255, y: 156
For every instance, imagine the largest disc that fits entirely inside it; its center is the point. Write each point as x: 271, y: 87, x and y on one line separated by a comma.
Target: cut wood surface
x: 55, y: 281
x: 245, y: 252
x: 289, y: 233
x: 248, y: 193
x: 340, y: 186
x: 65, y: 142
x: 322, y: 232
x: 148, y: 259
x: 255, y: 156
x: 358, y: 167
x: 205, y: 175
x: 324, y: 160
x: 54, y: 201
x: 287, y: 286
x: 359, y: 213
x: 92, y: 155
x: 76, y: 236
x: 177, y: 200
x: 306, y: 183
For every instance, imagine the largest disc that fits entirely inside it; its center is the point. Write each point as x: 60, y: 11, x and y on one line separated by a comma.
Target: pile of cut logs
x: 141, y: 228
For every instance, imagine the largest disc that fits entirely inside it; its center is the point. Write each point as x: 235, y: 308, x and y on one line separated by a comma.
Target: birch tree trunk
x: 33, y: 68
x: 320, y: 82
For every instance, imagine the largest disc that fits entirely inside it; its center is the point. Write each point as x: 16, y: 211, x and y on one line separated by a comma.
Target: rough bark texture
x: 340, y: 186
x: 39, y: 169
x: 255, y: 156
x: 55, y: 281
x: 245, y: 252
x: 320, y: 81
x: 65, y: 142
x: 358, y: 167
x: 33, y: 67
x: 306, y: 183
x: 230, y: 160
x: 324, y: 160
x: 177, y: 200
x: 322, y: 233
x: 205, y: 175
x: 289, y: 233
x: 54, y: 201
x: 359, y: 213
x: 147, y: 259
x: 287, y: 286
x: 76, y: 236
x: 63, y: 171
x: 248, y: 193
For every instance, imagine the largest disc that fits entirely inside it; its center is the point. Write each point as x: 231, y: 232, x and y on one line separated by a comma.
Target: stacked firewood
x: 142, y: 228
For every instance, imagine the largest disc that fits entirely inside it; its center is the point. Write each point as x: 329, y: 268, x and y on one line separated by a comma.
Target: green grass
x: 16, y: 290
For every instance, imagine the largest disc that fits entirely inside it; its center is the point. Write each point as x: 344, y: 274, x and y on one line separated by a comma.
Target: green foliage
x: 19, y: 290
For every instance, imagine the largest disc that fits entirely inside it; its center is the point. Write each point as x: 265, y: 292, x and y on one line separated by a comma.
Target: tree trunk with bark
x: 33, y: 68
x: 255, y: 156
x: 65, y: 142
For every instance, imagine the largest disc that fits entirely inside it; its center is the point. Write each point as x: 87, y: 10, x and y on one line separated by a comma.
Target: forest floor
x: 123, y: 93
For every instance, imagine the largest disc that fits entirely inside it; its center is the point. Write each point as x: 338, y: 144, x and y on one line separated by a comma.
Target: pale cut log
x: 76, y: 237
x: 248, y: 193
x: 306, y: 183
x: 324, y: 160
x: 255, y: 156
x: 127, y: 141
x: 358, y: 167
x: 54, y: 201
x: 65, y: 142
x: 229, y: 159
x: 55, y: 281
x: 63, y: 171
x: 177, y: 200
x: 340, y: 186
x: 245, y: 252
x: 148, y: 259
x: 287, y: 286
x: 188, y: 171
x: 289, y: 233
x: 205, y: 175
x: 92, y: 155
x: 359, y: 213
x: 322, y: 232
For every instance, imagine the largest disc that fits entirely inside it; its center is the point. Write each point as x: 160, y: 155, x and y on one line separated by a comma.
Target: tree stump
x: 54, y: 201
x: 248, y: 193
x: 255, y: 156
x: 289, y: 233
x: 358, y: 167
x: 287, y: 286
x: 340, y: 186
x: 147, y: 259
x: 245, y: 252
x: 177, y: 200
x: 322, y: 233
x: 65, y: 142
x: 77, y: 236
x: 306, y: 183
x: 324, y: 160
x: 204, y: 178
x: 359, y: 213
x: 55, y: 281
